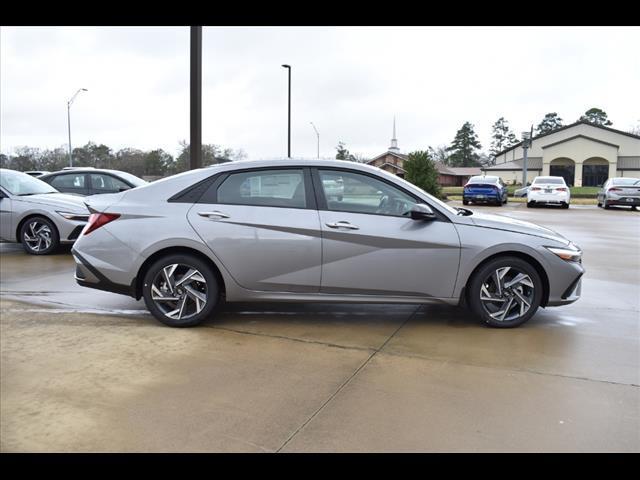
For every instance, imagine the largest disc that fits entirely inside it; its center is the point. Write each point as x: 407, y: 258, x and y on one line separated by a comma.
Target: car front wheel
x: 39, y: 236
x: 180, y: 290
x: 505, y: 292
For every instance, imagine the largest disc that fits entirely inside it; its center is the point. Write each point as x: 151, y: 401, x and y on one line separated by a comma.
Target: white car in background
x: 548, y: 191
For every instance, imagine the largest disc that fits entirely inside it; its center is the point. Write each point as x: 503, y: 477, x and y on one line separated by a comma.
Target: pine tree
x: 343, y: 153
x: 596, y: 116
x: 421, y: 170
x: 502, y: 136
x: 464, y: 148
x: 549, y: 123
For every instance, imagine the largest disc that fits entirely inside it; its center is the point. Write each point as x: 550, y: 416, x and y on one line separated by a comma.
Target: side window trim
x: 211, y: 195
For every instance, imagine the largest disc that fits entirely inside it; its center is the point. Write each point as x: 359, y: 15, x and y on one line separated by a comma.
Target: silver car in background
x: 620, y: 191
x: 36, y: 214
x: 268, y: 231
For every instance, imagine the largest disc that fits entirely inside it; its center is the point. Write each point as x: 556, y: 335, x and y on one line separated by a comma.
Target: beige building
x: 583, y: 153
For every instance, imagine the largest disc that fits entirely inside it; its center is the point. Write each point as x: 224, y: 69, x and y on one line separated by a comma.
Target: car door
x: 106, y: 183
x: 370, y: 247
x: 6, y: 226
x: 263, y: 225
x: 74, y: 183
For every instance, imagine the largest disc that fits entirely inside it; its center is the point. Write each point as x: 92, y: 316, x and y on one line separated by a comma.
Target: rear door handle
x: 213, y: 214
x: 342, y: 224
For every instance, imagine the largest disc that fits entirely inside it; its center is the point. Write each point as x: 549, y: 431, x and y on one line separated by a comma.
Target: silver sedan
x: 620, y: 191
x: 37, y: 215
x: 270, y: 231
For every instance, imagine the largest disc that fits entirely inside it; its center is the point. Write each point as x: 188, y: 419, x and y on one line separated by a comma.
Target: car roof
x: 86, y: 170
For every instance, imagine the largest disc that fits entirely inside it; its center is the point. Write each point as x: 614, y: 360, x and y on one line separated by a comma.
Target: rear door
x: 263, y: 225
x: 369, y: 246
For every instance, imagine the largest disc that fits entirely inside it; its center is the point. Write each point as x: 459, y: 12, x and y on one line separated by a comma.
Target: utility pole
x: 195, y: 145
x: 526, y: 143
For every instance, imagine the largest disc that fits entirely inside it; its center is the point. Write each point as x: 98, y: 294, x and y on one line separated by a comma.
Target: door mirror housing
x: 421, y: 211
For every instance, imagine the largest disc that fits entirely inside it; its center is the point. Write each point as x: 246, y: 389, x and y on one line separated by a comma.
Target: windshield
x: 480, y: 179
x: 19, y: 183
x: 626, y: 181
x: 550, y: 180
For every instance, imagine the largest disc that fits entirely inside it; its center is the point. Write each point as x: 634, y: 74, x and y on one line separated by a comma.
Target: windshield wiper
x: 33, y: 193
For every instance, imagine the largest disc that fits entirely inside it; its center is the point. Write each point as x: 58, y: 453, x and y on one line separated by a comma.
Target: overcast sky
x: 349, y: 81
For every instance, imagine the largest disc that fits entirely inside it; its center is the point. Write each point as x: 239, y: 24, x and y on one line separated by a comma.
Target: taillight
x: 535, y: 188
x: 561, y: 189
x: 615, y: 189
x: 97, y: 220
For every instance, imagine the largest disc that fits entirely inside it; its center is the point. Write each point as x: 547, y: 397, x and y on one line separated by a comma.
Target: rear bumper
x: 87, y: 275
x: 629, y: 201
x: 482, y: 197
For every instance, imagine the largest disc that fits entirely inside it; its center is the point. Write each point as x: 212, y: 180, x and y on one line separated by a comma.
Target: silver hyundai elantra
x: 275, y: 231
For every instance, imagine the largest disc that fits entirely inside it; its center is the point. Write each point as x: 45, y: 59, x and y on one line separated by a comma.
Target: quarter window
x: 357, y: 193
x: 266, y: 188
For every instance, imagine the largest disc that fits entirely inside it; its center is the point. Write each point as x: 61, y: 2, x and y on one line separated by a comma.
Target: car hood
x: 501, y: 222
x: 57, y: 200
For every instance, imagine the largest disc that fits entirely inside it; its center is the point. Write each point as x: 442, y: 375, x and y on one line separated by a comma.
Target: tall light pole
x: 526, y: 143
x: 69, y: 121
x: 288, y: 67
x: 317, y: 135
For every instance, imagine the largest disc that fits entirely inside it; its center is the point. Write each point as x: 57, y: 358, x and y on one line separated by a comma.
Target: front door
x: 263, y: 226
x: 370, y: 247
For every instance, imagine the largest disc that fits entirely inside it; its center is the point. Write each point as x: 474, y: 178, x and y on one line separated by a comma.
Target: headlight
x: 570, y: 253
x: 79, y: 217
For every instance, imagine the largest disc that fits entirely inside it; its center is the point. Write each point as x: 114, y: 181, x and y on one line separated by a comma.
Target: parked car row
x: 550, y: 190
x: 42, y: 213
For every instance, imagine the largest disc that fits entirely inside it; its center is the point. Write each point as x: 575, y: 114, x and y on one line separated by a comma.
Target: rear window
x: 550, y: 180
x: 481, y: 179
x: 626, y: 181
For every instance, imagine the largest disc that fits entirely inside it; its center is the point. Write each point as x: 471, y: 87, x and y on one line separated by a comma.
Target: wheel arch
x: 512, y: 253
x: 172, y: 251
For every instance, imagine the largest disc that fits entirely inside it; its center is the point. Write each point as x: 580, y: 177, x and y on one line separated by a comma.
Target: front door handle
x: 342, y: 224
x: 213, y: 214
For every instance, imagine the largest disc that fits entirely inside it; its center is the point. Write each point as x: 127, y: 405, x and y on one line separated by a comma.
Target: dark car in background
x: 92, y: 181
x: 485, y: 189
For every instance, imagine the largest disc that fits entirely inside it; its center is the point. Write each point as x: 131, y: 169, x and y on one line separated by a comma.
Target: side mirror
x: 123, y: 189
x: 420, y: 211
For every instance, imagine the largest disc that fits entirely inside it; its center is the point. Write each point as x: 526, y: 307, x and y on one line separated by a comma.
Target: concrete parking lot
x: 90, y: 371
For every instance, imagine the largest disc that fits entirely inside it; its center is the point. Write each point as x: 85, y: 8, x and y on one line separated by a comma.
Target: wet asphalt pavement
x: 85, y: 370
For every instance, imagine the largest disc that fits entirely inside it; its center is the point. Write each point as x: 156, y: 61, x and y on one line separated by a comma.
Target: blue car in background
x: 484, y: 189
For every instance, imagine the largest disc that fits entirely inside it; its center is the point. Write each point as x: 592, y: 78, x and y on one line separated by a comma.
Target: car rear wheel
x: 605, y: 204
x: 465, y: 202
x: 565, y: 205
x: 39, y: 236
x: 505, y: 292
x: 180, y: 290
x: 529, y: 204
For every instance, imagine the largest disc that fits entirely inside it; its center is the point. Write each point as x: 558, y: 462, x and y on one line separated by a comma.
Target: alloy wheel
x: 179, y: 291
x: 37, y: 236
x: 507, y: 294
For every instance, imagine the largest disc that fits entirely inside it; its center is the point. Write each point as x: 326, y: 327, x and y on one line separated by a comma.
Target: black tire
x: 529, y: 204
x: 565, y: 205
x: 606, y: 205
x: 212, y: 289
x: 465, y: 202
x: 475, y: 284
x: 499, y: 203
x: 50, y: 234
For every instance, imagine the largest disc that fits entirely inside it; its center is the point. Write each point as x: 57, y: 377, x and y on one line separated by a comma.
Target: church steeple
x: 394, y: 141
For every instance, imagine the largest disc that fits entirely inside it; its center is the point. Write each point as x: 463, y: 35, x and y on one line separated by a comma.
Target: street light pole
x: 288, y: 67
x: 317, y: 135
x: 526, y: 142
x: 69, y: 121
